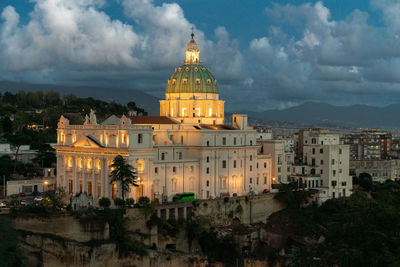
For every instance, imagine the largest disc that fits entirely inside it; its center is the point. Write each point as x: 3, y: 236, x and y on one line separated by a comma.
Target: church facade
x: 188, y: 148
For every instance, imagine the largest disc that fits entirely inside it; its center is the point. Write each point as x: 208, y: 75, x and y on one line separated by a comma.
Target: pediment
x: 87, y: 141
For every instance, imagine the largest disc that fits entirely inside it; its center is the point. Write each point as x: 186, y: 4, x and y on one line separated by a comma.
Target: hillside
x: 118, y: 95
x: 321, y: 114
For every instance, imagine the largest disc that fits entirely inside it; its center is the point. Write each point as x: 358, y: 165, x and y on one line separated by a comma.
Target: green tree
x: 17, y: 140
x: 365, y: 181
x: 9, y: 251
x: 6, y: 124
x: 46, y: 156
x: 292, y: 196
x: 104, y: 202
x: 123, y: 173
x: 6, y: 165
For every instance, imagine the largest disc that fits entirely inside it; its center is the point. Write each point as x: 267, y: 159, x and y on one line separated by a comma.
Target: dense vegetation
x: 30, y: 118
x: 10, y: 255
x: 360, y: 230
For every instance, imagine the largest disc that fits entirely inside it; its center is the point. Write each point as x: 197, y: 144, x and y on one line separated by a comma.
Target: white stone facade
x: 323, y: 156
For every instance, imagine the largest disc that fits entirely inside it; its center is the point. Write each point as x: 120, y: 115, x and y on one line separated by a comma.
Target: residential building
x: 322, y: 156
x: 380, y: 170
x: 281, y: 159
x: 369, y: 144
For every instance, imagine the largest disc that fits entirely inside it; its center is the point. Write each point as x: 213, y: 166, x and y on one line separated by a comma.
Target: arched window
x: 197, y: 81
x: 208, y: 183
x: 208, y: 81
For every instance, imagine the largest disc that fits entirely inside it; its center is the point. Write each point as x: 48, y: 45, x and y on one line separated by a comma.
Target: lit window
x: 197, y: 81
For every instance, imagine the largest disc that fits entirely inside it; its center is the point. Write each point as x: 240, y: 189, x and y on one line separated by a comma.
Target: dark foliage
x: 361, y: 230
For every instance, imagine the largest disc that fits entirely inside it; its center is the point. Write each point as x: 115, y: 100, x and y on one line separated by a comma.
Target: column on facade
x: 65, y: 171
x: 106, y: 180
x: 84, y: 175
x: 94, y: 180
x: 75, y: 176
x: 102, y: 177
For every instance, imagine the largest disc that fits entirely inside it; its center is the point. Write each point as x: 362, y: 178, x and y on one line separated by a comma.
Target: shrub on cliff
x: 104, y: 202
x: 119, y: 202
x: 9, y: 251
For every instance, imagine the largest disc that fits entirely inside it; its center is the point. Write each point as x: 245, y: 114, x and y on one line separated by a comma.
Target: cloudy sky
x: 265, y: 54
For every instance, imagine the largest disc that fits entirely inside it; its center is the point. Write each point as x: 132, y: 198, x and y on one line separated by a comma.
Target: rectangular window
x: 234, y: 164
x: 234, y: 141
x: 265, y: 165
x: 98, y: 189
x: 208, y: 170
x: 174, y: 169
x: 114, y: 191
x: 321, y: 182
x: 70, y: 188
x: 333, y: 161
x: 321, y: 151
x: 313, y: 150
x: 180, y: 155
x: 140, y: 138
x: 340, y: 151
x: 333, y: 183
x: 224, y: 141
x: 322, y: 162
x: 344, y: 183
x: 224, y: 164
x: 279, y: 169
x: 89, y: 185
x: 321, y: 171
x: 156, y: 170
x: 334, y: 173
x: 251, y: 168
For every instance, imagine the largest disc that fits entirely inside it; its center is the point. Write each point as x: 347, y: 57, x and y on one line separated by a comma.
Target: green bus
x: 183, y: 197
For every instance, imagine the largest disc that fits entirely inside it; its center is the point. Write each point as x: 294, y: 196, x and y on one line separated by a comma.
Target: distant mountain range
x: 310, y: 113
x: 321, y: 114
x: 120, y: 95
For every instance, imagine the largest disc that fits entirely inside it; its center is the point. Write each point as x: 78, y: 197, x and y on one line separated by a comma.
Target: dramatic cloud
x: 342, y: 62
x: 306, y: 54
x: 76, y: 41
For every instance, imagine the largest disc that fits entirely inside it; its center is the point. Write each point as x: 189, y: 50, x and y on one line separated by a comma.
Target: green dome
x: 192, y: 78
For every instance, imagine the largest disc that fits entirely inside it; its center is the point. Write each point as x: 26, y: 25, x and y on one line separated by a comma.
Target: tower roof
x: 192, y: 77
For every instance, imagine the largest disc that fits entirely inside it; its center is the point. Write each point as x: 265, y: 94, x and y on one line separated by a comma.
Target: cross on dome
x: 192, y: 51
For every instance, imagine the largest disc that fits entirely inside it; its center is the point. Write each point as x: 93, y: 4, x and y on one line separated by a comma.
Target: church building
x: 188, y: 148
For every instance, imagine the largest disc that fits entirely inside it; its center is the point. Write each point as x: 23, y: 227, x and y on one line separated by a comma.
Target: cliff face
x: 65, y: 240
x: 45, y: 251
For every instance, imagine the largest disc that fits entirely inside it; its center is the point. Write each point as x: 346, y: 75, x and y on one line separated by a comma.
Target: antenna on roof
x: 192, y: 33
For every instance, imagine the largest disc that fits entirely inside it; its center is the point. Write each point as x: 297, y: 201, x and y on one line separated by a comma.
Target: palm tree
x: 124, y: 173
